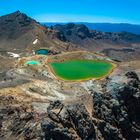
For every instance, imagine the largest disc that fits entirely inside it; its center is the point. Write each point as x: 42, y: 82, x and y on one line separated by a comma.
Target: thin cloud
x: 78, y: 18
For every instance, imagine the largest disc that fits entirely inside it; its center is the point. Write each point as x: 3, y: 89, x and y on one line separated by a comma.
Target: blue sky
x: 120, y: 11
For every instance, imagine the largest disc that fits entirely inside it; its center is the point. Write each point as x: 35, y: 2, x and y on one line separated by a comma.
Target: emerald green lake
x: 81, y: 69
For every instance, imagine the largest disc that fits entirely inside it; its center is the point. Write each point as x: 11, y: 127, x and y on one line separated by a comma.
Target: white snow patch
x: 13, y: 54
x: 35, y: 41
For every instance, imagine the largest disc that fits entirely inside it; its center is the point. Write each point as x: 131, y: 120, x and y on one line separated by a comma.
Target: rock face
x: 115, y: 116
x: 74, y: 118
x: 119, y: 112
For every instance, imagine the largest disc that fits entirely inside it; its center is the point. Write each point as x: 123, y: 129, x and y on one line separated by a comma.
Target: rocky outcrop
x: 74, y: 119
x: 17, y: 120
x: 120, y: 111
x: 114, y: 117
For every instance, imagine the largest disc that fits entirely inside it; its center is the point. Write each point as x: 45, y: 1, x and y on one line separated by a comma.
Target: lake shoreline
x: 51, y: 70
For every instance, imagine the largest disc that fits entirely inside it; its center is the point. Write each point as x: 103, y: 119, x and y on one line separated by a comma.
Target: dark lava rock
x: 54, y: 132
x: 121, y: 112
x: 81, y: 120
x: 73, y: 116
x: 132, y: 75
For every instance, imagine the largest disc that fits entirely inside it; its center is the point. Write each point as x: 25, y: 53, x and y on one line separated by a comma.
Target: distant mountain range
x: 107, y: 27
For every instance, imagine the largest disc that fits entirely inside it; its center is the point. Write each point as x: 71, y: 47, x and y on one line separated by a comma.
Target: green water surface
x: 81, y: 69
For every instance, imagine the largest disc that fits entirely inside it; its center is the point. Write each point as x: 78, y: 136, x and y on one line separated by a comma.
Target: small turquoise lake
x: 42, y: 52
x: 32, y: 62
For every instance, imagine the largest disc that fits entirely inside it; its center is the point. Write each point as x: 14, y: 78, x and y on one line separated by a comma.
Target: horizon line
x: 90, y: 22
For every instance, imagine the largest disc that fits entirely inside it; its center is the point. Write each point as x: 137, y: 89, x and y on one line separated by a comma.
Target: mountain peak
x: 16, y: 12
x: 15, y: 24
x: 16, y: 16
x: 13, y: 14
